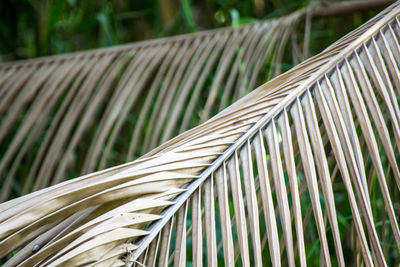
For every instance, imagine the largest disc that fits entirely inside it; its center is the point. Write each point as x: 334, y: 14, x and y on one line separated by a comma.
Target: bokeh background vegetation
x: 34, y: 28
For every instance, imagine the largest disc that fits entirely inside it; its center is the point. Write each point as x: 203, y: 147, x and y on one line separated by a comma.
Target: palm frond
x: 335, y: 115
x: 230, y: 189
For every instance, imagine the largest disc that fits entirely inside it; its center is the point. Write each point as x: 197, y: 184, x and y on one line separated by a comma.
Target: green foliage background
x: 34, y: 28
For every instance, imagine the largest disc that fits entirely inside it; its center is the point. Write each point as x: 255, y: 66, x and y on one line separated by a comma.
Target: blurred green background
x: 33, y: 28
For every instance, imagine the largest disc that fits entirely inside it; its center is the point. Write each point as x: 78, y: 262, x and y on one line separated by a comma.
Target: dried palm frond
x: 232, y: 186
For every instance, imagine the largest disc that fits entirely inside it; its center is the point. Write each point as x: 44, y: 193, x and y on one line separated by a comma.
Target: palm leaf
x: 280, y: 154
